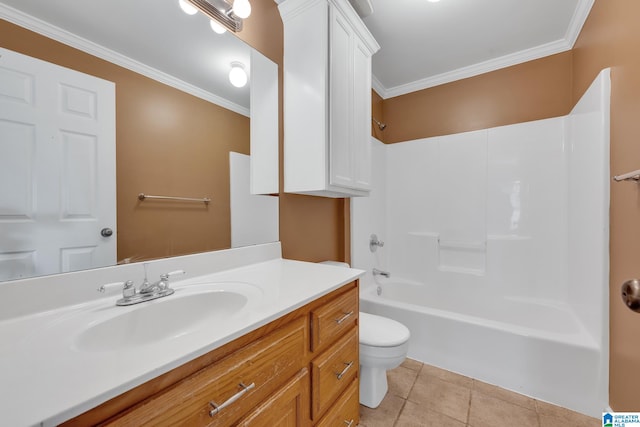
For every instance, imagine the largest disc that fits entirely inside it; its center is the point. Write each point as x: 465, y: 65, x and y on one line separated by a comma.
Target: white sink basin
x: 188, y: 310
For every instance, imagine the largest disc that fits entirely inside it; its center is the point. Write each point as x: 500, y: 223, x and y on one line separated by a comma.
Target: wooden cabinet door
x: 287, y: 407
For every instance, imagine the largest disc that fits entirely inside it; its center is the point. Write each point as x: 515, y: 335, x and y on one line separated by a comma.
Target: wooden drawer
x: 266, y: 363
x: 288, y: 407
x: 346, y: 411
x: 332, y: 372
x: 331, y: 320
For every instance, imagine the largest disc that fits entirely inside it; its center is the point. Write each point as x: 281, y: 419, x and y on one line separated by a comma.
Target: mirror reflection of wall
x: 168, y: 141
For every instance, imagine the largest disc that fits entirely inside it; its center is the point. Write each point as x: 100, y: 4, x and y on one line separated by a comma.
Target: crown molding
x: 577, y: 21
x: 562, y: 45
x: 58, y: 34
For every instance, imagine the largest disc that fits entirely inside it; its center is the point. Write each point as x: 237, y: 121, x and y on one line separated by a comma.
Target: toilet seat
x: 378, y: 331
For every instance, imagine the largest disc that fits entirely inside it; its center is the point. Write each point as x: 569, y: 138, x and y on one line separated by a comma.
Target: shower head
x: 381, y: 125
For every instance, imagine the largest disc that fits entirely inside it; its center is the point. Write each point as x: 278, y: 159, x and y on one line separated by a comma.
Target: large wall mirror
x: 177, y: 118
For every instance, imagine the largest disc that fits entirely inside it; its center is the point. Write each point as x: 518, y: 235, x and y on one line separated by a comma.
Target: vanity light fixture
x: 222, y: 12
x: 187, y: 7
x: 238, y: 76
x: 215, y: 26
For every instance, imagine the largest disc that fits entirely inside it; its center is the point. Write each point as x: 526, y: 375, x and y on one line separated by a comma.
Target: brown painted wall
x: 167, y: 142
x: 611, y: 38
x: 531, y: 91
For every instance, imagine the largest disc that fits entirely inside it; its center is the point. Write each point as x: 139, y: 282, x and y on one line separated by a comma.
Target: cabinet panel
x: 361, y: 155
x: 333, y: 319
x: 288, y: 407
x: 341, y: 96
x: 266, y: 364
x: 346, y: 411
x: 332, y: 372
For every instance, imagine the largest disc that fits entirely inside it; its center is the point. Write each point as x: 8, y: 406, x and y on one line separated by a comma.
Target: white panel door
x: 57, y: 168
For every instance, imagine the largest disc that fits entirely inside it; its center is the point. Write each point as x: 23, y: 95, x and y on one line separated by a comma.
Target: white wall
x: 254, y: 218
x: 371, y: 215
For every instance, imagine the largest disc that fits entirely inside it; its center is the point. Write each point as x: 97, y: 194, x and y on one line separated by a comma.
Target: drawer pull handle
x: 349, y: 423
x: 344, y: 371
x: 343, y: 318
x: 217, y: 408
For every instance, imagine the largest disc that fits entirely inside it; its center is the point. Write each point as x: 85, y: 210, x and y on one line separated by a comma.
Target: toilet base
x: 373, y: 386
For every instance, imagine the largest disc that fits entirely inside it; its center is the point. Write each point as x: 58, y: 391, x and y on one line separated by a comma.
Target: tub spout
x: 377, y: 272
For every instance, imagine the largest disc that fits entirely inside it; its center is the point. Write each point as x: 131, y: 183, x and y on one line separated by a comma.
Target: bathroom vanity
x: 284, y: 351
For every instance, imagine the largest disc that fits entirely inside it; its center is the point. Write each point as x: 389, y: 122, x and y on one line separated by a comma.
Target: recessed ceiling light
x: 433, y: 1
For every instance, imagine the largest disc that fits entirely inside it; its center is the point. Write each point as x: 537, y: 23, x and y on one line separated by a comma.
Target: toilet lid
x: 378, y: 331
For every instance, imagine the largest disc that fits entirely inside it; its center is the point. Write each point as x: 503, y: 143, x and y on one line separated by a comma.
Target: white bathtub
x: 536, y: 349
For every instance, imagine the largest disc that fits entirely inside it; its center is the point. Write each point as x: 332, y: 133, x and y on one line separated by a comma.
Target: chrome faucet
x: 148, y: 291
x: 377, y: 272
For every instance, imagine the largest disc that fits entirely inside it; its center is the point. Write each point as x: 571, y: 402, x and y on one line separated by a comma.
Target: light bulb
x: 242, y: 8
x: 215, y: 26
x: 187, y: 7
x: 237, y: 75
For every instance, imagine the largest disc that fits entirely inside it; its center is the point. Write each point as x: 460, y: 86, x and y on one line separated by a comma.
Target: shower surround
x: 511, y: 219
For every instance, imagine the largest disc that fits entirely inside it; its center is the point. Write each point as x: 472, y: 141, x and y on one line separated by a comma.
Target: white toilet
x: 383, y: 346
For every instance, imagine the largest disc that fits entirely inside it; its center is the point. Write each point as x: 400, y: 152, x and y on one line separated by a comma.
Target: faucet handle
x: 128, y: 289
x: 164, y: 278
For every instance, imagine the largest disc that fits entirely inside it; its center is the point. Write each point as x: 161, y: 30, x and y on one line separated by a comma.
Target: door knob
x: 106, y: 232
x: 631, y: 294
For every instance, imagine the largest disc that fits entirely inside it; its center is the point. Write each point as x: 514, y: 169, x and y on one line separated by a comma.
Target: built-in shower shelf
x: 461, y: 270
x: 513, y: 237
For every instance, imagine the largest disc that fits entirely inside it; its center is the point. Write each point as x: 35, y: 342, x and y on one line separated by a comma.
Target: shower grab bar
x: 204, y: 200
x: 630, y: 176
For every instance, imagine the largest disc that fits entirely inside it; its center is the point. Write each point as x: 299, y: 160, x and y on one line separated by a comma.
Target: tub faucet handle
x: 375, y: 243
x: 377, y: 272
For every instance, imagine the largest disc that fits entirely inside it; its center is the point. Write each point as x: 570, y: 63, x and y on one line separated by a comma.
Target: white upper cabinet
x: 327, y: 99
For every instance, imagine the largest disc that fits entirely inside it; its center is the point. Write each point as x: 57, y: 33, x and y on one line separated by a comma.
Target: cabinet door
x: 341, y: 99
x: 361, y: 143
x: 288, y: 407
x: 332, y: 372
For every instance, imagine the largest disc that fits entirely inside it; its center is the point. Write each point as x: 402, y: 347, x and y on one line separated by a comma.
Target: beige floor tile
x: 414, y: 365
x: 401, y: 381
x: 445, y: 375
x: 550, y: 414
x: 416, y: 415
x: 384, y: 415
x: 488, y: 411
x: 506, y: 395
x: 441, y: 396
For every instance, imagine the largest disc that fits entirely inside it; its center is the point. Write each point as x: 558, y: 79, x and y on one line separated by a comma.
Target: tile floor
x: 422, y: 396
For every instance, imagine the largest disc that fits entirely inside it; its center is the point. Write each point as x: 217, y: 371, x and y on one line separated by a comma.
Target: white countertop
x: 47, y: 380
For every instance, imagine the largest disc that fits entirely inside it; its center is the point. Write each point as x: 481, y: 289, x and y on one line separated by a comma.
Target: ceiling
x: 423, y: 44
